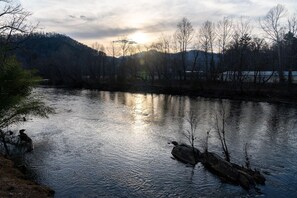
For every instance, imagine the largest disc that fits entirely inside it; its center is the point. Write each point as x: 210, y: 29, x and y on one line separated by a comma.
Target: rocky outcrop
x: 22, y: 141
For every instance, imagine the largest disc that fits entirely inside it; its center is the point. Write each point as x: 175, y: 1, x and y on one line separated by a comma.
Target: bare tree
x: 292, y: 24
x: 195, y: 66
x: 224, y: 34
x: 132, y: 65
x: 15, y: 83
x: 221, y: 131
x: 100, y: 61
x: 13, y: 21
x: 163, y: 45
x: 204, y: 40
x: 176, y: 61
x: 240, y: 43
x: 184, y: 35
x: 272, y: 26
x: 113, y: 51
x: 247, y: 156
x: 243, y: 26
x: 123, y: 44
x: 207, y: 38
x: 206, y: 141
x: 16, y: 22
x: 190, y: 134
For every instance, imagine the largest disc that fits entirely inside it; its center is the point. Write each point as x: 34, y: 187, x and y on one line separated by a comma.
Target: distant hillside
x: 45, y: 45
x: 66, y: 61
x: 56, y: 56
x: 191, y: 55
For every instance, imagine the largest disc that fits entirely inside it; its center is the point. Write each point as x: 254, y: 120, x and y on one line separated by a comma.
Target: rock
x: 186, y: 154
x: 22, y: 168
x: 28, y: 146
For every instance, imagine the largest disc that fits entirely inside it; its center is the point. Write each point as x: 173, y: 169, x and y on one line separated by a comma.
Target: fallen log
x: 257, y: 176
x: 230, y: 172
x: 186, y: 153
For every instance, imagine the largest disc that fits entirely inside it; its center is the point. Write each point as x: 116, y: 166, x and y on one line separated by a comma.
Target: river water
x: 114, y: 144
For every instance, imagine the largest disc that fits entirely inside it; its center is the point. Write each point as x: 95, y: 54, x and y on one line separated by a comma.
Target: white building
x: 259, y: 76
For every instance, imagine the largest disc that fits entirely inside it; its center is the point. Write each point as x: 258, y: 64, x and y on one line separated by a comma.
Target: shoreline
x: 271, y: 93
x: 15, y: 184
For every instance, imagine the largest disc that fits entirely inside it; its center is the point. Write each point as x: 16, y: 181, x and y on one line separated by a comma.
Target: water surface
x: 104, y: 144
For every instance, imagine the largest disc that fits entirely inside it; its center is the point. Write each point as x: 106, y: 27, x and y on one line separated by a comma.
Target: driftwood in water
x: 186, y: 153
x: 230, y: 172
x: 256, y: 175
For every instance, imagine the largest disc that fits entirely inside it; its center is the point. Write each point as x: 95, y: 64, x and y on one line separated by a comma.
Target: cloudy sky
x: 102, y: 21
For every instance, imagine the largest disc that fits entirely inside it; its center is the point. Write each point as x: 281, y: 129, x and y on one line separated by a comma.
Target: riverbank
x: 13, y: 183
x: 270, y: 92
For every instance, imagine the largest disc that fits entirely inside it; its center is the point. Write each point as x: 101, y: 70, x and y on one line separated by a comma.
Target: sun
x: 139, y: 37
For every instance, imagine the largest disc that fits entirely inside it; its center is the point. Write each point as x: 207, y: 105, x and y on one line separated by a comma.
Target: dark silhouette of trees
x: 113, y: 51
x: 292, y: 24
x: 188, y: 58
x: 190, y: 133
x: 224, y: 36
x: 207, y: 35
x: 184, y: 35
x: 163, y: 46
x: 221, y: 131
x: 98, y: 69
x: 272, y: 26
x: 15, y: 83
x: 289, y: 46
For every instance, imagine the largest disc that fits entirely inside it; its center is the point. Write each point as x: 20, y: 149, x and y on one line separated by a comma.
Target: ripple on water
x: 103, y: 144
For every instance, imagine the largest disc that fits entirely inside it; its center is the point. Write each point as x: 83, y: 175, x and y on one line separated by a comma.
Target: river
x: 114, y: 144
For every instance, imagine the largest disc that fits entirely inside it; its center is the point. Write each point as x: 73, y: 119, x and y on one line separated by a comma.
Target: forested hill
x: 47, y: 45
x: 55, y: 56
x: 66, y: 61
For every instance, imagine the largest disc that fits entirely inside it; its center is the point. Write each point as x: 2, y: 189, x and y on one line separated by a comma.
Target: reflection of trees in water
x: 280, y: 124
x: 151, y: 107
x: 245, y: 120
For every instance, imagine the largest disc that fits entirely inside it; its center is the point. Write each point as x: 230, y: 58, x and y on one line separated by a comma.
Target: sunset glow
x: 139, y: 38
x: 103, y: 21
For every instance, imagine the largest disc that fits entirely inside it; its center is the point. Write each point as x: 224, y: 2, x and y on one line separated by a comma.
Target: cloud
x: 85, y: 18
x: 93, y: 19
x: 124, y: 41
x: 102, y: 32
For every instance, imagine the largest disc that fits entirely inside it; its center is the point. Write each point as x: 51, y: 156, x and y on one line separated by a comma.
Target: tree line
x: 227, y: 50
x: 16, y: 84
x: 228, y: 45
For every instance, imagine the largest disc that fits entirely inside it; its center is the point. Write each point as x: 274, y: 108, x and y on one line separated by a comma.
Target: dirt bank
x: 13, y: 183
